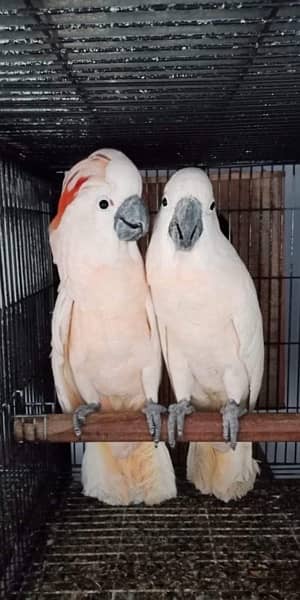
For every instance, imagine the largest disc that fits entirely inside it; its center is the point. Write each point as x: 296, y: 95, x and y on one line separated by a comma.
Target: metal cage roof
x: 170, y: 83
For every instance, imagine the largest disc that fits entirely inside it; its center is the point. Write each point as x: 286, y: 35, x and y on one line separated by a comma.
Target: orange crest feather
x: 67, y: 196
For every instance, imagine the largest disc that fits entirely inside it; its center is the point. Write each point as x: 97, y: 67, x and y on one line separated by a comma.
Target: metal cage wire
x: 260, y: 208
x: 28, y: 474
x: 196, y: 80
x: 171, y: 84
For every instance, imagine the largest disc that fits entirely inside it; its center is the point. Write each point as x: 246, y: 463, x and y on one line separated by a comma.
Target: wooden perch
x: 132, y: 427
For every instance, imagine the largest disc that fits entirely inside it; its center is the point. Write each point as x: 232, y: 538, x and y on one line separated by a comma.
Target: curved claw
x: 152, y: 410
x: 231, y: 413
x: 81, y: 413
x: 177, y: 414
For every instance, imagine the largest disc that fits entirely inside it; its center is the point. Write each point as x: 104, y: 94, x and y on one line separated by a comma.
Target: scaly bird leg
x: 153, y: 412
x: 177, y: 414
x: 231, y: 414
x: 81, y: 413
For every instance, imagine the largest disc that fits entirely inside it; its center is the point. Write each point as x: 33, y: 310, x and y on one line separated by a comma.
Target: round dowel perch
x: 132, y: 427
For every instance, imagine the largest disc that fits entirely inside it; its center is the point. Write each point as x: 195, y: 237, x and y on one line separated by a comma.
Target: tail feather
x: 121, y: 474
x: 216, y: 469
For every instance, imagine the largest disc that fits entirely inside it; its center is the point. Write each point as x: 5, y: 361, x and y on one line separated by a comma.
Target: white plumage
x: 105, y: 345
x: 210, y: 324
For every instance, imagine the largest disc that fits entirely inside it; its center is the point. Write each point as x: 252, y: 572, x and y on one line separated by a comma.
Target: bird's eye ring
x: 103, y: 204
x: 164, y: 201
x: 212, y: 206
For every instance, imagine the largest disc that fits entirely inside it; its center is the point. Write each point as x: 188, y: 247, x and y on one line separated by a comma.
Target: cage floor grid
x: 193, y: 547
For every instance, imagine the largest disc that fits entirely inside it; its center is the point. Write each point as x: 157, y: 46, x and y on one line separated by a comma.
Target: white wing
x: 152, y: 373
x: 67, y: 393
x: 249, y: 329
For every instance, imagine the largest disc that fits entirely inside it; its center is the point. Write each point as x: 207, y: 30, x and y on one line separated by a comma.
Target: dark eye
x: 212, y: 206
x: 164, y: 201
x: 103, y: 204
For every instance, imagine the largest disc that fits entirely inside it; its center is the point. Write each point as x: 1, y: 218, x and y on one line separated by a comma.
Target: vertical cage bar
x: 27, y: 472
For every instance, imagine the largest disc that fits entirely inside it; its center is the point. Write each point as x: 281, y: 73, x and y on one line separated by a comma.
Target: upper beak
x: 131, y: 219
x: 186, y: 225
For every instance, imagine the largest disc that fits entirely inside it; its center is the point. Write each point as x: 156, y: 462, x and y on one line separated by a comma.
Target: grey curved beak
x: 131, y: 219
x: 186, y: 225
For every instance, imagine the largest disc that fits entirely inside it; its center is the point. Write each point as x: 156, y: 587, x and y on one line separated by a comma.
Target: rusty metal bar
x: 132, y: 427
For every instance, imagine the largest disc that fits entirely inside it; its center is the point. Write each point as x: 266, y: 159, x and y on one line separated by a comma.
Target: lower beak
x: 131, y: 219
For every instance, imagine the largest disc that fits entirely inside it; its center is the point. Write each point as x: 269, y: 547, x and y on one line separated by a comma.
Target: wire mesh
x: 260, y: 212
x: 28, y: 473
x: 191, y: 547
x: 172, y: 83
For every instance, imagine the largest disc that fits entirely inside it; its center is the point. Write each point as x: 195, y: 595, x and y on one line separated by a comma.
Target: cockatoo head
x: 103, y: 191
x: 188, y: 206
x: 99, y: 210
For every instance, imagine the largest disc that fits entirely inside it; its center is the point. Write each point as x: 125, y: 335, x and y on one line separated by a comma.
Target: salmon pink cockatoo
x: 210, y: 328
x: 105, y: 344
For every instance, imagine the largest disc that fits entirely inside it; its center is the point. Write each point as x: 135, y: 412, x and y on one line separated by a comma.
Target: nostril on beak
x: 179, y: 231
x: 131, y: 225
x: 193, y: 232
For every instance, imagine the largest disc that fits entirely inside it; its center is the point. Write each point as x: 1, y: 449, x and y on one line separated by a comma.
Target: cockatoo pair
x: 198, y: 304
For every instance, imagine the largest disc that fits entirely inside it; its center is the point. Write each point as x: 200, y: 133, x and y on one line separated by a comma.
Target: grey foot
x: 81, y: 413
x: 231, y: 413
x: 152, y: 410
x: 177, y: 414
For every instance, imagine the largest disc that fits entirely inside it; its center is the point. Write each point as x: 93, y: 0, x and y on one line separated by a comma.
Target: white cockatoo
x: 210, y: 329
x: 105, y: 345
